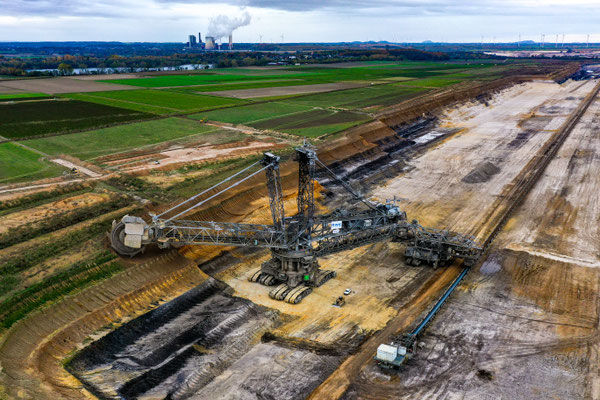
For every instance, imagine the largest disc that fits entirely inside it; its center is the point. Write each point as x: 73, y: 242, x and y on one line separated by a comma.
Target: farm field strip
x: 159, y: 110
x: 19, y: 163
x: 287, y: 90
x: 313, y: 123
x: 252, y: 112
x: 22, y: 96
x: 166, y: 101
x: 358, y: 98
x: 240, y: 86
x: 91, y: 144
x: 430, y: 82
x: 197, y: 79
x: 300, y: 120
x: 37, y: 118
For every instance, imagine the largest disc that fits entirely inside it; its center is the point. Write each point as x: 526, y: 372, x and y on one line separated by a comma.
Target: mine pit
x: 522, y: 324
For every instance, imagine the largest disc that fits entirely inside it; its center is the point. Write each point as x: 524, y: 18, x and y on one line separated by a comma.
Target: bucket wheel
x: 117, y: 241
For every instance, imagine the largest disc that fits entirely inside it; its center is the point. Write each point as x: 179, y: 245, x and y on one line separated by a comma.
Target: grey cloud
x: 100, y: 8
x: 400, y: 8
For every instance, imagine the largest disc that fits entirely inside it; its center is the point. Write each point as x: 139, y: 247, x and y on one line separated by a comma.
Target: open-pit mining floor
x: 525, y: 324
x: 522, y: 326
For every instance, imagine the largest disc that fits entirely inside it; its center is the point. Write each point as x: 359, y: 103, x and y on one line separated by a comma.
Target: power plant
x: 209, y: 44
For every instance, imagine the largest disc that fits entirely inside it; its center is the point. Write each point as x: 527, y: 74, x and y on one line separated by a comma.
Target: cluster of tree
x: 66, y: 64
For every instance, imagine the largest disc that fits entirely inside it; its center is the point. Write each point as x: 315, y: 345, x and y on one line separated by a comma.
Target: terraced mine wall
x: 32, y: 352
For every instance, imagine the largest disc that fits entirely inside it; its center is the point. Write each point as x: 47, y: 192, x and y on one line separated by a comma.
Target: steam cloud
x: 222, y: 26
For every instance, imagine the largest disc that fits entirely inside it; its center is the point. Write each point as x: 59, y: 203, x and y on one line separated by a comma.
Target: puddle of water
x: 490, y: 266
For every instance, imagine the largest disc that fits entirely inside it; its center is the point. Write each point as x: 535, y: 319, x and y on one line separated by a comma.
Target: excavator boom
x: 297, y: 241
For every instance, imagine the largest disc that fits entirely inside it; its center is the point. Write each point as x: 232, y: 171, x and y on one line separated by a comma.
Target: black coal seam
x: 103, y: 351
x: 152, y: 378
x: 156, y: 376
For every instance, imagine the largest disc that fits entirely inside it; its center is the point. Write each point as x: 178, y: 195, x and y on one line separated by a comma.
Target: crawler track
x: 337, y: 383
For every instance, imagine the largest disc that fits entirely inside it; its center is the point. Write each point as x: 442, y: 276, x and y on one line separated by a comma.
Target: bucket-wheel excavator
x: 296, y: 242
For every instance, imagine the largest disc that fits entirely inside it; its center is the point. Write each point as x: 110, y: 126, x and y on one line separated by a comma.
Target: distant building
x: 210, y: 43
x: 230, y: 41
x: 192, y: 42
x: 199, y: 38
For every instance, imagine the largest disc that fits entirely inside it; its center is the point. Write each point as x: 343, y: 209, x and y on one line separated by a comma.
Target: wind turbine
x: 519, y: 42
x: 282, y: 38
x: 543, y: 39
x: 563, y: 40
x: 556, y: 44
x: 587, y: 43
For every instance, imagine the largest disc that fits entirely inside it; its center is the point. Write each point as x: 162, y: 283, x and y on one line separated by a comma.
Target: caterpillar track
x: 262, y: 278
x: 290, y: 295
x: 323, y: 276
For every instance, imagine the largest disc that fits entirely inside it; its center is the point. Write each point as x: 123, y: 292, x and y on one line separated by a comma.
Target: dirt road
x: 338, y: 382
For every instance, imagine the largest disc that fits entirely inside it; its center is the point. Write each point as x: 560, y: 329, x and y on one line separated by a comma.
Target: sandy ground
x: 560, y: 219
x: 8, y: 90
x: 197, y: 154
x: 106, y: 77
x: 376, y: 274
x: 528, y: 317
x: 506, y: 133
x: 285, y: 90
x: 50, y: 210
x: 62, y: 85
x: 71, y: 165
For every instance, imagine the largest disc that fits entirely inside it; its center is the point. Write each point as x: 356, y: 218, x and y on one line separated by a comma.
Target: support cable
x: 217, y: 194
x: 348, y: 187
x: 207, y: 190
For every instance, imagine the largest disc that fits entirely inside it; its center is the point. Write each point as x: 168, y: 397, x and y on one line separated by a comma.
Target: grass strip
x: 79, y: 275
x: 58, y: 245
x: 32, y: 230
x: 44, y: 197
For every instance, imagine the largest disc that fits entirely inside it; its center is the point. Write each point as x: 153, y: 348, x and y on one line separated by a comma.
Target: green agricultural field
x: 369, y: 98
x: 20, y: 164
x: 157, y: 101
x: 238, y: 78
x: 430, y: 82
x: 22, y: 96
x: 312, y: 123
x: 240, y: 86
x: 92, y: 144
x: 196, y: 79
x: 251, y: 113
x: 36, y: 118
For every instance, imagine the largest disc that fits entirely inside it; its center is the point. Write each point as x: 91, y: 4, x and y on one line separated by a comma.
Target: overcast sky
x: 301, y: 20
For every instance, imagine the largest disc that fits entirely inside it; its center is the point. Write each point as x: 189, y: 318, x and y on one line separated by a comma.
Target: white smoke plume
x: 222, y: 25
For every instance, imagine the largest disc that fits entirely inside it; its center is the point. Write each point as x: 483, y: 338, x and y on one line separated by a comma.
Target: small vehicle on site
x: 339, y: 302
x: 347, y: 292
